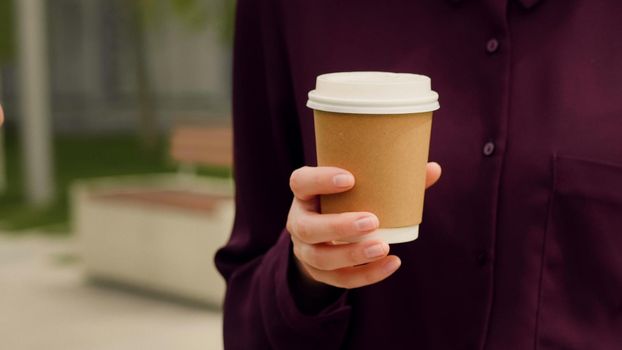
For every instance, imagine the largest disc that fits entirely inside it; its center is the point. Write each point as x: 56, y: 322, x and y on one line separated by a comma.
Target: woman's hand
x: 343, y: 265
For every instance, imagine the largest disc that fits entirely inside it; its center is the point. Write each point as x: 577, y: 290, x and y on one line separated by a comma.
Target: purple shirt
x: 521, y: 240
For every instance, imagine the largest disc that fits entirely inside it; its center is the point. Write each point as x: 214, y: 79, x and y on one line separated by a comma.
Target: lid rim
x: 314, y: 95
x: 402, y: 109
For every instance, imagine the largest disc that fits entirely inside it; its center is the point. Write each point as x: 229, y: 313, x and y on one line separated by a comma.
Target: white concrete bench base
x: 151, y: 246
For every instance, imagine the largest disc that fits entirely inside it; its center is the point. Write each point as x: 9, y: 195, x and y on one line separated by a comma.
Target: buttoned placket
x: 496, y: 48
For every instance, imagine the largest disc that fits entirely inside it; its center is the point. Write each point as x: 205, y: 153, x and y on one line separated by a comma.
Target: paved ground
x: 46, y: 304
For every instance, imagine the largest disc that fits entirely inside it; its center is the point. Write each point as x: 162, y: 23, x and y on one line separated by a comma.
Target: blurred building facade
x: 93, y: 68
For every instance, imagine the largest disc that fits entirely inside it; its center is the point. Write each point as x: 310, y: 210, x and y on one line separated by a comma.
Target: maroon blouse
x: 521, y: 241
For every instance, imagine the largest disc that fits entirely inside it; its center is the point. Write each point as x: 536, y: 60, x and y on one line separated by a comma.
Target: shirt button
x: 492, y: 45
x: 489, y: 148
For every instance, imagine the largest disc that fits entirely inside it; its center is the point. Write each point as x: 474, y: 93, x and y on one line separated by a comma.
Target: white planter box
x: 150, y: 245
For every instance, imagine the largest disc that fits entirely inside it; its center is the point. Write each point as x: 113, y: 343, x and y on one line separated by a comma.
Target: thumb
x: 433, y: 173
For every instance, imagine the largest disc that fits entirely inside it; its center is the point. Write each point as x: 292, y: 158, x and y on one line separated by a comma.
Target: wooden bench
x: 191, y: 146
x: 160, y: 233
x: 199, y: 145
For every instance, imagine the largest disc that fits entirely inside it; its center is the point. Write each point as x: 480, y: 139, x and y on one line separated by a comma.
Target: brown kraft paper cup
x: 376, y: 125
x: 387, y: 154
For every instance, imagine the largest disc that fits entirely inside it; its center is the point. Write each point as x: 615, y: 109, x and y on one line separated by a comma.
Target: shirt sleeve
x: 260, y: 311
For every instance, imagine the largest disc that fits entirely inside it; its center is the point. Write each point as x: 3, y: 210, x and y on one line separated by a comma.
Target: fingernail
x: 365, y: 224
x: 392, y: 265
x: 343, y: 180
x: 376, y: 250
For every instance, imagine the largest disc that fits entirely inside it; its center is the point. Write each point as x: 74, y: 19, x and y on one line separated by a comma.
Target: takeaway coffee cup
x: 377, y: 126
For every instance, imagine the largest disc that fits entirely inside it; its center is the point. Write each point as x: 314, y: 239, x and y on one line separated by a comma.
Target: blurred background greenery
x: 115, y: 172
x: 122, y: 74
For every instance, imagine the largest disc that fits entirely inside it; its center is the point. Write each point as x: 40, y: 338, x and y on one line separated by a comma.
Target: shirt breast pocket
x: 580, y: 303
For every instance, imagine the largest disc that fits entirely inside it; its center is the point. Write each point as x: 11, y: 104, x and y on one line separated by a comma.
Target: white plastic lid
x: 373, y: 93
